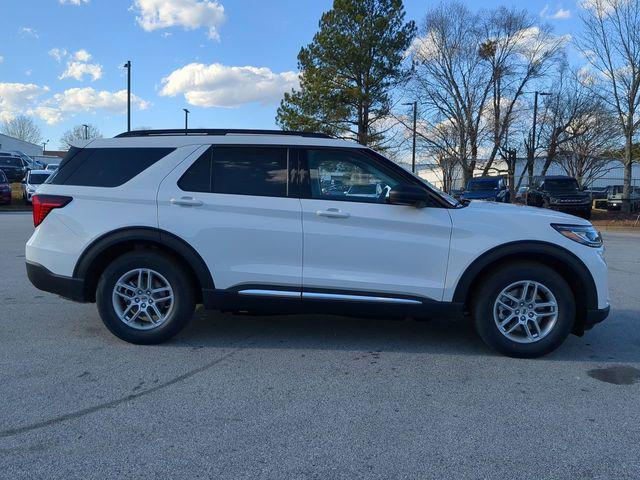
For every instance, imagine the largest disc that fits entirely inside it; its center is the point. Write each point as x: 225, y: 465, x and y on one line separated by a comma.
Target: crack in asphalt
x: 114, y: 403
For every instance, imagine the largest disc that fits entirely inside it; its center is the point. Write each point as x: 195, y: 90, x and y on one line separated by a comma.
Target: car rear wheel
x: 145, y: 297
x: 524, y: 310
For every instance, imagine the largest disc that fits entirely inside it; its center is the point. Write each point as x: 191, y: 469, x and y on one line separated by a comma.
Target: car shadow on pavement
x: 612, y: 341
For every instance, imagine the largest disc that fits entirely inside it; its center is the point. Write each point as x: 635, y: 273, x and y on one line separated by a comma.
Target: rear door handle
x: 186, y: 202
x: 333, y: 213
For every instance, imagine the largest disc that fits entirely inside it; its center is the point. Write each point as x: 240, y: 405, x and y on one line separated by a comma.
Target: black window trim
x: 291, y: 189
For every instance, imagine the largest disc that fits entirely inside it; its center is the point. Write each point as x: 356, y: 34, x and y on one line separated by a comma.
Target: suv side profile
x: 150, y: 223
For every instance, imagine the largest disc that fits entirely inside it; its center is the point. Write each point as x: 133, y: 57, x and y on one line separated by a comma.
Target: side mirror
x: 408, y: 195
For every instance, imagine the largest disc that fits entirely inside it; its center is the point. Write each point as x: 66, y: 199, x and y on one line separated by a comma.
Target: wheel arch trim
x: 536, y: 249
x: 144, y: 234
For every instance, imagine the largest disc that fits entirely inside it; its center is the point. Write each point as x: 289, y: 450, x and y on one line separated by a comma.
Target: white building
x: 11, y: 144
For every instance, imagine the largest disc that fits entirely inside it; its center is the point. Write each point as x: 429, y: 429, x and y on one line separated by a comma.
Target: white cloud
x: 189, y: 14
x: 29, y: 98
x: 77, y: 66
x: 560, y: 14
x: 15, y: 97
x: 82, y: 55
x: 73, y: 2
x: 78, y: 70
x: 218, y: 85
x: 28, y: 32
x: 1, y: 59
x: 58, y: 53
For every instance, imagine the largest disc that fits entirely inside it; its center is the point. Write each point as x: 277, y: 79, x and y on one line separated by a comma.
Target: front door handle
x: 186, y: 202
x: 333, y: 213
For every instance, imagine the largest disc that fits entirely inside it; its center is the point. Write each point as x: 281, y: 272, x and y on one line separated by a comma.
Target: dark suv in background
x: 487, y: 188
x: 560, y: 193
x: 13, y: 167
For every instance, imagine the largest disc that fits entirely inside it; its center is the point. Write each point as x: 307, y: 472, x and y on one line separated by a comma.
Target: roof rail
x: 217, y: 131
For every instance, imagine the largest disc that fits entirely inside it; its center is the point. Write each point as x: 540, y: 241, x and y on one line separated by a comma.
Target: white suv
x: 150, y: 223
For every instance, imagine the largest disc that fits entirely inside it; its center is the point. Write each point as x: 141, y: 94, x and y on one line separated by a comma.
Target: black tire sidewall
x: 184, y: 303
x: 496, y: 282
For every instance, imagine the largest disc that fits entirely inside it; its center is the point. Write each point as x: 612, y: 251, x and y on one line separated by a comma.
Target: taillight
x: 43, y: 204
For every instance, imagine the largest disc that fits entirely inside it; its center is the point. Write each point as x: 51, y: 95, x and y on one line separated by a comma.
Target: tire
x: 176, y: 312
x: 485, y: 303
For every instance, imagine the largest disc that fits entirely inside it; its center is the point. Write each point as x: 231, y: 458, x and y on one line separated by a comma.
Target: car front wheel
x: 145, y: 297
x: 524, y: 310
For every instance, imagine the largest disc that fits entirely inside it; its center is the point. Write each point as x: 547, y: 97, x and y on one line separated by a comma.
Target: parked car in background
x: 26, y: 159
x: 521, y: 195
x: 52, y: 167
x: 562, y: 193
x: 32, y: 181
x: 239, y: 221
x: 5, y: 190
x: 614, y: 197
x: 597, y: 193
x: 456, y: 192
x: 13, y: 167
x: 487, y: 188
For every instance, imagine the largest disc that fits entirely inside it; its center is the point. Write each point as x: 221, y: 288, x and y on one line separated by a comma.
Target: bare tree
x: 611, y: 43
x: 590, y: 138
x: 22, y: 128
x: 470, y: 70
x: 78, y: 133
x: 519, y: 51
x: 568, y: 113
x: 449, y: 79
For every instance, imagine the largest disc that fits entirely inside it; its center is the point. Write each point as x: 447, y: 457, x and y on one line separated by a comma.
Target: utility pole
x: 128, y: 67
x: 86, y: 131
x: 415, y: 120
x: 44, y: 146
x: 186, y: 120
x: 533, y: 141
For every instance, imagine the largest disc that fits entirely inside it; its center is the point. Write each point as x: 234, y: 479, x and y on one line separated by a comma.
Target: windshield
x: 561, y: 185
x: 480, y: 185
x: 38, y: 178
x: 10, y: 162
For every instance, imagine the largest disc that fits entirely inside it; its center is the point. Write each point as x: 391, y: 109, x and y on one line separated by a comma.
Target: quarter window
x: 106, y: 167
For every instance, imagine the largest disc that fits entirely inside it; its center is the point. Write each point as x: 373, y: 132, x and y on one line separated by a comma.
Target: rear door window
x: 106, y: 167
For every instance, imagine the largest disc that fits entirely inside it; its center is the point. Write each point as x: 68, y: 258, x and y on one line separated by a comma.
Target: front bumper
x: 570, y: 208
x: 67, y: 287
x: 596, y: 316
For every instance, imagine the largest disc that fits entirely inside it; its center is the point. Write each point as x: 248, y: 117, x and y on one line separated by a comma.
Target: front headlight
x: 584, y: 234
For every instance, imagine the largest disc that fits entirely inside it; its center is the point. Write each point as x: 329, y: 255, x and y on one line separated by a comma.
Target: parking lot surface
x: 318, y: 397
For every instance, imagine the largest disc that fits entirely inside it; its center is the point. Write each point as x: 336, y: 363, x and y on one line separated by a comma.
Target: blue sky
x: 227, y: 61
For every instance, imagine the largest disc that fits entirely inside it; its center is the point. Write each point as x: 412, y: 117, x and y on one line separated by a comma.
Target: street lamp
x: 532, y: 146
x: 44, y: 146
x: 186, y: 120
x: 415, y: 118
x: 86, y: 131
x: 128, y: 67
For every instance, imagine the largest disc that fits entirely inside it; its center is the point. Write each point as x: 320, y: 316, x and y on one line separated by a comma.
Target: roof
x: 48, y: 172
x: 21, y: 141
x: 54, y: 153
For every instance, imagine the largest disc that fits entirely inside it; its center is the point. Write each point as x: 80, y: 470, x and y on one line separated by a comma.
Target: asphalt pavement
x: 310, y: 397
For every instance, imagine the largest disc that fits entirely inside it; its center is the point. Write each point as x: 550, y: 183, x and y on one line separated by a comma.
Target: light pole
x: 186, y: 120
x: 86, y: 131
x: 44, y: 146
x: 415, y: 119
x: 128, y: 67
x: 533, y: 140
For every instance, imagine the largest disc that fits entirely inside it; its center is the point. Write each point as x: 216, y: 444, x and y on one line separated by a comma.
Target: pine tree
x: 349, y: 70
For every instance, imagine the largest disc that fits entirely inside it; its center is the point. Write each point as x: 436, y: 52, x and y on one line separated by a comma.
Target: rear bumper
x: 596, y: 316
x: 67, y: 287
